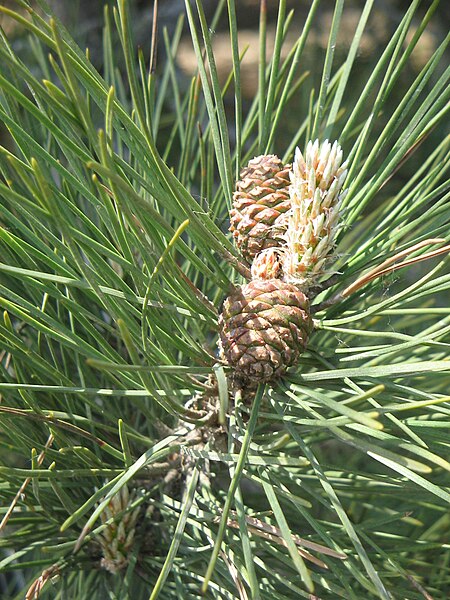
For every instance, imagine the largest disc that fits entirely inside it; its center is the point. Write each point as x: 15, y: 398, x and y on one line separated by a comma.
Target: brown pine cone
x: 258, y: 218
x: 265, y: 326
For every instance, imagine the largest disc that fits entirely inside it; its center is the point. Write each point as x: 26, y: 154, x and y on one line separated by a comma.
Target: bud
x: 316, y: 196
x: 117, y: 538
x: 267, y: 265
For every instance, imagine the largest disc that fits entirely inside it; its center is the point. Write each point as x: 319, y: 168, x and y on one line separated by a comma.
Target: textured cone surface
x: 258, y: 218
x: 265, y: 326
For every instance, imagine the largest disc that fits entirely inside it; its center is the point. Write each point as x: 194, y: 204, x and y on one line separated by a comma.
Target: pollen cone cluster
x: 316, y: 198
x: 258, y: 219
x: 284, y: 221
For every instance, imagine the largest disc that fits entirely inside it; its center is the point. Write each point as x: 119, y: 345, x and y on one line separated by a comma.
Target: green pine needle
x: 117, y: 173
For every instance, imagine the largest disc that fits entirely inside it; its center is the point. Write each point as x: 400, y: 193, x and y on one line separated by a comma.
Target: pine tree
x: 157, y: 439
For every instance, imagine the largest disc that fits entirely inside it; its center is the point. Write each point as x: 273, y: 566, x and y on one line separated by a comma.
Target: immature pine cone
x: 258, y: 218
x: 265, y: 326
x: 267, y: 265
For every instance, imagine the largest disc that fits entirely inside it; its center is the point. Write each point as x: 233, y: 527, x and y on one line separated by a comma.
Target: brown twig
x: 317, y: 289
x: 384, y: 268
x: 273, y: 534
x: 36, y: 587
x: 50, y: 420
x: 418, y: 587
x: 240, y: 267
x: 235, y: 576
x: 408, y: 155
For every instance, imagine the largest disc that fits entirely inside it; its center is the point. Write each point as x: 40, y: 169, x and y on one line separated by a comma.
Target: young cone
x: 258, y: 219
x: 265, y: 326
x: 267, y: 265
x: 316, y: 199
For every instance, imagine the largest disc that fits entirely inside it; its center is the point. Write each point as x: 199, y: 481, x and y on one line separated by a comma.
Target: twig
x: 235, y: 576
x: 273, y: 534
x: 418, y: 587
x: 36, y: 587
x: 408, y: 155
x: 386, y: 267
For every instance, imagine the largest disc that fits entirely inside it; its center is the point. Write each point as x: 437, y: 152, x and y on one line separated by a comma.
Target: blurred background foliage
x: 85, y: 18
